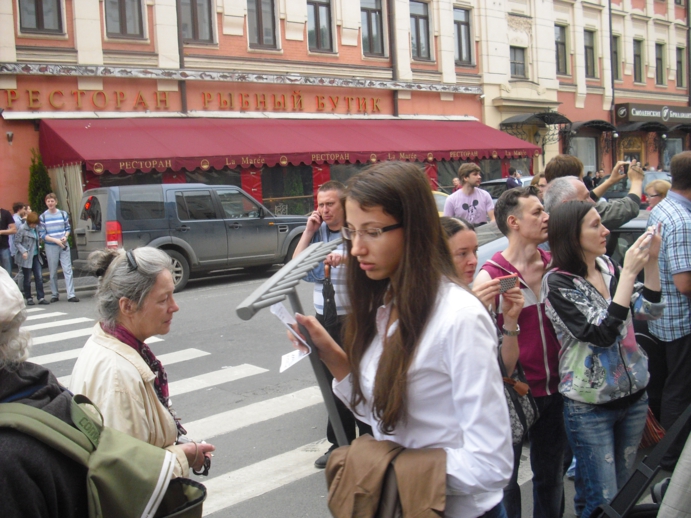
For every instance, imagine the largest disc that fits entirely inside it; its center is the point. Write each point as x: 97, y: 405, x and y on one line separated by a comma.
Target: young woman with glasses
x: 419, y: 363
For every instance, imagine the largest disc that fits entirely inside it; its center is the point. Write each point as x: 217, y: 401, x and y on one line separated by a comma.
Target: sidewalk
x: 82, y: 281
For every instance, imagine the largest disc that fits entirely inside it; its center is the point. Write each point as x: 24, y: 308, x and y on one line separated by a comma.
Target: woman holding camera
x: 603, y: 371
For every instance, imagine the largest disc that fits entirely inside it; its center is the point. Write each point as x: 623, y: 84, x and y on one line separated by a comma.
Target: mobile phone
x: 507, y: 282
x: 649, y: 235
x: 626, y: 167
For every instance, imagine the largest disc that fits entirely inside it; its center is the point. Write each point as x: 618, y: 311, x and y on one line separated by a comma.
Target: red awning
x: 131, y: 145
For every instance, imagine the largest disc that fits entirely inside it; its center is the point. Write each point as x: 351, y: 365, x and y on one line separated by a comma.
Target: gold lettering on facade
x: 51, y: 99
x: 279, y: 102
x: 375, y: 105
x: 161, y: 99
x: 206, y: 98
x: 119, y: 98
x: 334, y: 103
x: 78, y: 94
x: 230, y: 162
x: 260, y: 101
x: 102, y: 95
x: 146, y: 164
x: 140, y: 100
x: 12, y: 96
x: 244, y: 101
x: 34, y: 101
x: 320, y: 103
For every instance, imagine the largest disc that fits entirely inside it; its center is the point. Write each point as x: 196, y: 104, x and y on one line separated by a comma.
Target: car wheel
x: 291, y: 250
x: 181, y: 269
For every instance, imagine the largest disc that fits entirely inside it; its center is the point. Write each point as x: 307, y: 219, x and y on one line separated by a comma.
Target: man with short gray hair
x: 567, y: 188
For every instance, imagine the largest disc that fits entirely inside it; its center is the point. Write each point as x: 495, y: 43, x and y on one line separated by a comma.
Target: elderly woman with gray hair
x: 117, y: 370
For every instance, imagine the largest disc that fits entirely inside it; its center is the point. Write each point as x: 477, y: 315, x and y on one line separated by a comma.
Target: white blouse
x: 455, y: 400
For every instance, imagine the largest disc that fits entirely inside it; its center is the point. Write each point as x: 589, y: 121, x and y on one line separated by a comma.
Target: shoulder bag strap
x: 48, y: 429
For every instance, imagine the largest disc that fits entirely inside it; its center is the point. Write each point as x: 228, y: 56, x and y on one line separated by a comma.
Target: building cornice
x: 39, y: 69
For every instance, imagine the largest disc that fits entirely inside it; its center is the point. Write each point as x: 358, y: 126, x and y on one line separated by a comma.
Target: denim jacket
x: 322, y: 235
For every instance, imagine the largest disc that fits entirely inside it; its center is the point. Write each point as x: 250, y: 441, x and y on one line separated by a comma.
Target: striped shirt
x: 338, y: 274
x: 54, y: 225
x: 675, y: 257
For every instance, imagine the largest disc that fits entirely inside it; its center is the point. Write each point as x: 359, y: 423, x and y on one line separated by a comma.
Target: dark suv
x: 201, y: 227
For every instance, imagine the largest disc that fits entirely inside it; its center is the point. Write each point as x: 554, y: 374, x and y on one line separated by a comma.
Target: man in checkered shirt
x: 674, y: 328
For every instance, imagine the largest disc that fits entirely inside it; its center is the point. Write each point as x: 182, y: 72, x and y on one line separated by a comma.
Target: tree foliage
x: 39, y: 183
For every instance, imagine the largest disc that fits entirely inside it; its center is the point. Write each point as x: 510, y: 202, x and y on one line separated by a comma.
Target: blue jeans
x: 6, y: 260
x: 605, y: 442
x: 38, y: 279
x: 547, y: 446
x: 56, y: 255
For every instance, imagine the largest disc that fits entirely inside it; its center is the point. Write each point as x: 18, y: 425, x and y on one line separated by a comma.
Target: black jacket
x: 35, y: 480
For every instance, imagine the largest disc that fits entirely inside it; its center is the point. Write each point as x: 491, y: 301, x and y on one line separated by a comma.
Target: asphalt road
x: 268, y: 427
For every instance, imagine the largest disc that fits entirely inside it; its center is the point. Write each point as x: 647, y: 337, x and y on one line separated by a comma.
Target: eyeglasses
x: 653, y: 195
x: 368, y: 233
x: 131, y: 261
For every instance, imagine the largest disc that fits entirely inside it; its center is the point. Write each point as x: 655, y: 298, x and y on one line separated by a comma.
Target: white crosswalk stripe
x: 260, y: 478
x: 58, y: 323
x: 61, y: 337
x: 226, y: 422
x: 211, y: 379
x: 45, y: 315
x: 34, y: 310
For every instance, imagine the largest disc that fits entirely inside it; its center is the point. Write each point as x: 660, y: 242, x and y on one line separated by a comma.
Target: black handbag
x: 523, y: 410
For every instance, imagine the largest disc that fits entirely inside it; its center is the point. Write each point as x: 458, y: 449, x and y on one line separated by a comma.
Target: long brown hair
x: 402, y: 191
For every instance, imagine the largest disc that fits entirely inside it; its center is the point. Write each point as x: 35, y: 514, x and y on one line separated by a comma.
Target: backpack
x: 126, y: 477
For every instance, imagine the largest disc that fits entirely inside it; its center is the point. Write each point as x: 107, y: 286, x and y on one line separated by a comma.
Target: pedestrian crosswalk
x: 59, y: 337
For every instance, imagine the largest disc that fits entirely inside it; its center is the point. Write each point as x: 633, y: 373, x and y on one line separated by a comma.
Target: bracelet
x: 506, y: 332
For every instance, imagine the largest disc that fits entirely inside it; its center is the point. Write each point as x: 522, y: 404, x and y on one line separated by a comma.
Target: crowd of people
x: 418, y: 343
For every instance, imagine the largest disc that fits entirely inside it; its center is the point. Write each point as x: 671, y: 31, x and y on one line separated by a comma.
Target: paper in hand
x: 289, y: 359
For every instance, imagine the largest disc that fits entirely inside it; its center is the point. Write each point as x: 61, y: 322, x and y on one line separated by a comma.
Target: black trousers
x: 350, y: 423
x: 676, y: 394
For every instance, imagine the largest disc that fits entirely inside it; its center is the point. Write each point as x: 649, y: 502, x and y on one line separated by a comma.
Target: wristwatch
x: 506, y: 332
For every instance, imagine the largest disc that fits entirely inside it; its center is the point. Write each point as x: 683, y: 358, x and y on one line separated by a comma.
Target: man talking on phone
x: 521, y: 218
x: 324, y: 225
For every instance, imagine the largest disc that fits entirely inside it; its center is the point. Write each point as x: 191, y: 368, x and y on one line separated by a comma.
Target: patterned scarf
x: 161, y: 378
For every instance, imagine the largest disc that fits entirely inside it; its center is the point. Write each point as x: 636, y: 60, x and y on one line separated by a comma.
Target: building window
x: 659, y: 64
x: 637, y: 61
x: 560, y: 39
x: 461, y: 21
x: 319, y: 24
x: 589, y: 44
x: 371, y: 18
x: 196, y: 21
x: 681, y: 60
x: 517, y: 61
x: 419, y: 30
x: 124, y: 18
x: 40, y: 16
x: 680, y: 2
x: 261, y: 21
x: 616, y: 62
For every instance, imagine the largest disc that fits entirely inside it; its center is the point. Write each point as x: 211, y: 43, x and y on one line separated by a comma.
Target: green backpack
x: 126, y: 477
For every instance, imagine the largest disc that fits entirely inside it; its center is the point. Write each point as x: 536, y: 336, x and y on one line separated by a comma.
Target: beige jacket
x: 115, y: 377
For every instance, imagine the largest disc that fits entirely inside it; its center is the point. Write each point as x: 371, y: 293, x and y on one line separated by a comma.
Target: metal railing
x: 283, y: 285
